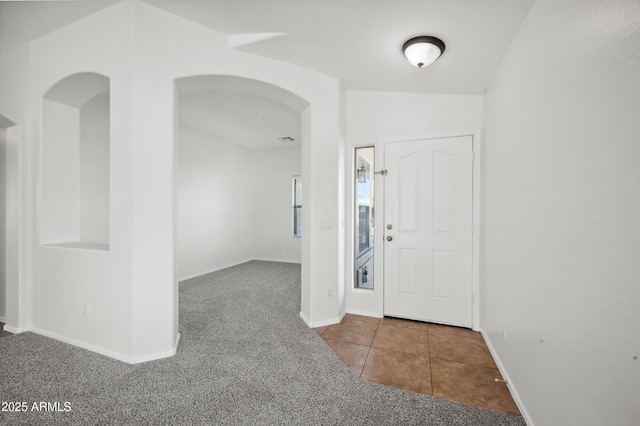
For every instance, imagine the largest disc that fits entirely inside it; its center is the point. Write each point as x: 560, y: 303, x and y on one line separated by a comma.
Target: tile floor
x: 447, y: 362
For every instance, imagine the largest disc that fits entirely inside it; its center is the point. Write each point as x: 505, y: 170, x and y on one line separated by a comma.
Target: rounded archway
x: 239, y: 144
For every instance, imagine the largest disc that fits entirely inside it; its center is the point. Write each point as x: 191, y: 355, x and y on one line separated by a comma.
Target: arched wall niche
x: 75, y: 163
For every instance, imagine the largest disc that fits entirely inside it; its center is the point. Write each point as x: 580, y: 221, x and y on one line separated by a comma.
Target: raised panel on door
x: 408, y: 272
x: 408, y: 193
x: 443, y: 205
x: 443, y: 278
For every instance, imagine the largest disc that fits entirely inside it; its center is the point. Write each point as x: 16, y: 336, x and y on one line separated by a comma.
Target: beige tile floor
x: 447, y: 362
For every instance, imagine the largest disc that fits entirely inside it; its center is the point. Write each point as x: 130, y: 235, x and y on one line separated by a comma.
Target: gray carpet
x: 245, y: 357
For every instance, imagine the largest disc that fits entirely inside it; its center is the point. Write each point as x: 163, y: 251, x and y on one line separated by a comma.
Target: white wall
x: 14, y: 106
x: 167, y: 48
x: 372, y: 116
x: 59, y: 196
x: 94, y: 172
x: 12, y: 307
x: 561, y: 238
x: 234, y: 204
x: 215, y: 204
x: 273, y: 171
x: 85, y: 296
x: 3, y: 223
x: 124, y: 302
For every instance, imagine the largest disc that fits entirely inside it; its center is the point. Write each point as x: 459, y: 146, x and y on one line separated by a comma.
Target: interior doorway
x: 238, y: 149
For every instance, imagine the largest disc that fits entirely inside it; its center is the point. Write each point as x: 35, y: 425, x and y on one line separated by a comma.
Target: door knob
x: 389, y: 238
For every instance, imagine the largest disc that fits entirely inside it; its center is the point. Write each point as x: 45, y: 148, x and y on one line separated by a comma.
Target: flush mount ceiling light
x: 422, y: 50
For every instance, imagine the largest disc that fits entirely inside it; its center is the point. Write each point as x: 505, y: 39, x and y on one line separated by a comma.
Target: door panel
x: 428, y: 248
x: 409, y: 192
x: 408, y: 271
x: 443, y: 176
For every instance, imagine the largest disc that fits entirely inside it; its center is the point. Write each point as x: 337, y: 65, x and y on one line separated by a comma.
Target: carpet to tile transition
x: 245, y: 358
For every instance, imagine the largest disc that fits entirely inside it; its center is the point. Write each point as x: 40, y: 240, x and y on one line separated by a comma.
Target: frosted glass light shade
x: 422, y: 51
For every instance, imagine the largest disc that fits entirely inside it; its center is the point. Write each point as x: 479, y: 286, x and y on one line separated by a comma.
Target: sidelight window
x: 364, y: 217
x: 296, y: 196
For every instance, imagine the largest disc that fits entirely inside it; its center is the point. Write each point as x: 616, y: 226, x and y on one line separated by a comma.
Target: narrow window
x: 364, y: 217
x: 297, y: 206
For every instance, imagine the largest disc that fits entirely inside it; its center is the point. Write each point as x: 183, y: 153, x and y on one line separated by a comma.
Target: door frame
x: 476, y: 136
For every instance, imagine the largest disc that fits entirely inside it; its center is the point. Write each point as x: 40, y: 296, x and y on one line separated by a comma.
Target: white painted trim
x: 476, y: 135
x: 83, y: 345
x: 349, y: 227
x: 510, y: 384
x: 439, y: 135
x: 364, y: 313
x: 305, y: 319
x: 157, y: 355
x: 106, y: 352
x: 3, y: 319
x: 188, y: 277
x: 477, y: 229
x: 15, y: 330
x: 378, y: 254
x: 277, y: 260
x: 322, y: 323
x: 219, y: 268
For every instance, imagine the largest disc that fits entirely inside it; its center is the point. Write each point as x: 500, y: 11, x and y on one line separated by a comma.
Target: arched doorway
x: 239, y: 147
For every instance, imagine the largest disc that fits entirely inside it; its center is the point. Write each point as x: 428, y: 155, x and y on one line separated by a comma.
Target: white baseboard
x: 505, y: 376
x: 277, y: 260
x: 217, y: 268
x: 111, y: 354
x: 15, y: 330
x: 323, y: 323
x: 305, y: 319
x: 158, y: 355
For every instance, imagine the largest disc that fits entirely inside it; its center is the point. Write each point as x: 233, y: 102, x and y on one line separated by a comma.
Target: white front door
x: 428, y: 193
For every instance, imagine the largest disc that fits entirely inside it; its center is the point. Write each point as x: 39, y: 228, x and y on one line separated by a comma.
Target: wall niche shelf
x: 75, y: 163
x: 79, y: 245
